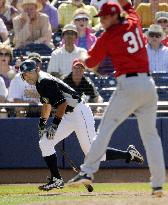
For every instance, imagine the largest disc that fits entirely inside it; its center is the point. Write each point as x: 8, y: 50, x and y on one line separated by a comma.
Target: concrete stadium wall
x: 19, y: 144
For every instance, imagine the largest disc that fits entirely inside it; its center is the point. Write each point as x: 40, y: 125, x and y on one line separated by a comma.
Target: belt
x: 128, y: 75
x: 70, y: 109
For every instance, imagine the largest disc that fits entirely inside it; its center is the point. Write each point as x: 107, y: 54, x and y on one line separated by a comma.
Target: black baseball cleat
x: 135, y: 155
x: 53, y: 183
x: 157, y: 192
x: 81, y: 178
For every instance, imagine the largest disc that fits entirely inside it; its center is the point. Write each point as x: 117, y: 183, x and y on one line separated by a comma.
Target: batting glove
x: 52, y: 130
x: 42, y: 126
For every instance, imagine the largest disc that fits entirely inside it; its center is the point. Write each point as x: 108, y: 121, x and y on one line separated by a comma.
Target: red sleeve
x: 131, y: 11
x: 97, y: 53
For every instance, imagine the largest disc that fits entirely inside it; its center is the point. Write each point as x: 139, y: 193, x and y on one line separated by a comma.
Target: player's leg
x: 85, y: 131
x: 123, y: 103
x: 146, y: 116
x: 49, y: 154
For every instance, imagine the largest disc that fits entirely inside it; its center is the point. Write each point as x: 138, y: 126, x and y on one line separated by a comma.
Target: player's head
x: 29, y: 71
x: 109, y: 14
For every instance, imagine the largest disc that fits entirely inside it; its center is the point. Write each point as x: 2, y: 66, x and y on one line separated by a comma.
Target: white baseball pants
x: 81, y: 121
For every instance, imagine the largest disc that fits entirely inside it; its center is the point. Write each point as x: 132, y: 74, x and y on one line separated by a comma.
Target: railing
x: 162, y: 105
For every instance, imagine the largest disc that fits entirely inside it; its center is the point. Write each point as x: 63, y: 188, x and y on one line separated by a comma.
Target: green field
x: 104, y: 193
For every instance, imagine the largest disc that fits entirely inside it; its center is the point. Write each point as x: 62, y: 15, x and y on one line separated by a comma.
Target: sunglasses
x: 5, y: 54
x: 153, y: 34
x: 82, y: 19
x: 162, y: 21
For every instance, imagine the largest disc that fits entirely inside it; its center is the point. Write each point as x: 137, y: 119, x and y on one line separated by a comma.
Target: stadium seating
x: 42, y: 49
x: 161, y: 79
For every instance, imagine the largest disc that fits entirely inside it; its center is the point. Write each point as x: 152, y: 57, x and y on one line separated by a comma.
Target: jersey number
x: 133, y: 39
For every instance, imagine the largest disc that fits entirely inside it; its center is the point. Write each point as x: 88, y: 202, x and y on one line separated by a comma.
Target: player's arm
x: 96, y: 54
x: 61, y: 110
x: 124, y: 2
x: 127, y: 6
x: 45, y: 111
x: 57, y: 119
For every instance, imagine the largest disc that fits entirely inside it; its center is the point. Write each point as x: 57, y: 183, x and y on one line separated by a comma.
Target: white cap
x: 161, y: 15
x: 81, y: 16
x: 69, y: 27
x: 155, y: 28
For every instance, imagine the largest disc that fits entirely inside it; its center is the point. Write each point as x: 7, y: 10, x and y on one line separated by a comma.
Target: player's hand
x: 41, y: 132
x: 42, y: 126
x: 51, y: 132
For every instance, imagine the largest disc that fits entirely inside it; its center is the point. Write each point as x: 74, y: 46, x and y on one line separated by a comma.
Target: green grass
x: 24, y: 194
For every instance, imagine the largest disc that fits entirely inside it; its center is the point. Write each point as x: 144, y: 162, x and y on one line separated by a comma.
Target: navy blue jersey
x: 55, y: 92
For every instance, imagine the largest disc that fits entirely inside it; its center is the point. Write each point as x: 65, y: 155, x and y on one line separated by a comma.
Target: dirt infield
x: 108, y: 198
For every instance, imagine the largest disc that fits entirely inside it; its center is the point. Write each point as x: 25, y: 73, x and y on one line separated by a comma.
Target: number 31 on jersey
x: 134, y: 40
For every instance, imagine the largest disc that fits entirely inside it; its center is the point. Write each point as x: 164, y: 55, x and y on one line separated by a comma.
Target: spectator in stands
x: 157, y: 52
x: 7, y: 72
x: 37, y: 58
x: 31, y: 26
x: 3, y: 91
x: 14, y: 2
x: 3, y: 32
x: 22, y: 92
x: 62, y: 58
x: 66, y: 11
x: 85, y: 38
x: 81, y: 84
x: 97, y: 3
x: 52, y: 13
x: 161, y: 18
x: 7, y: 13
x: 146, y: 11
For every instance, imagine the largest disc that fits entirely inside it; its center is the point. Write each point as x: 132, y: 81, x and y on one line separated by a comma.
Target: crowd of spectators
x: 68, y: 28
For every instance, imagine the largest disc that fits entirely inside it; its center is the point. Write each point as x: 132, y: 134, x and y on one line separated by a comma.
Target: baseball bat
x: 74, y: 167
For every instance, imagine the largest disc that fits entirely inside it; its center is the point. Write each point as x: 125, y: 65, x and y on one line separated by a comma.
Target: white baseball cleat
x: 53, y: 183
x: 135, y: 155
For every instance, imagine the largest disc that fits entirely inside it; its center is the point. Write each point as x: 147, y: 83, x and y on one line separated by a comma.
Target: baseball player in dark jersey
x: 71, y: 115
x: 123, y: 42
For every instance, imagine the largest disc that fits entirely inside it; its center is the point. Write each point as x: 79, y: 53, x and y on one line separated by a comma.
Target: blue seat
x: 163, y: 94
x: 57, y: 38
x: 105, y: 94
x: 42, y: 49
x: 45, y: 65
x: 161, y: 79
